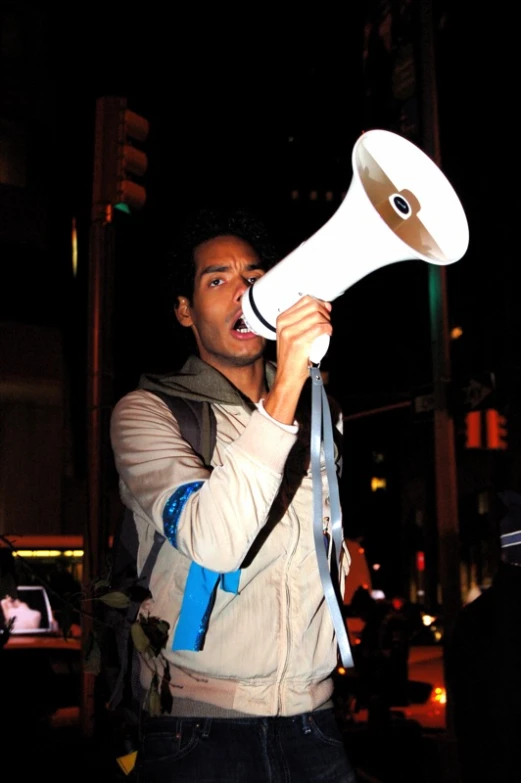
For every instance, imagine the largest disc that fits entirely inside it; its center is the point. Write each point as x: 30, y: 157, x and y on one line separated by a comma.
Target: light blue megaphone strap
x: 334, y: 496
x: 321, y: 419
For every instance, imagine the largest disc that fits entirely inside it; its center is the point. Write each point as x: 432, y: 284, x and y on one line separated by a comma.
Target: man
x: 252, y: 691
x: 381, y: 657
x: 484, y: 666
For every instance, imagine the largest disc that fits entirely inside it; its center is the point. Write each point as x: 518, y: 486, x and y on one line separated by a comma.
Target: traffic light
x: 496, y: 430
x: 119, y: 163
x: 485, y: 430
x: 473, y: 430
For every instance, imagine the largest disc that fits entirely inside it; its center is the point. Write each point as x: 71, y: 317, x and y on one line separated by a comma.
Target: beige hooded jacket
x: 270, y: 648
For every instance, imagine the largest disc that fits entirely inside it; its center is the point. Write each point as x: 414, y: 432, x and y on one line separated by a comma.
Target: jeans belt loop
x: 306, y: 728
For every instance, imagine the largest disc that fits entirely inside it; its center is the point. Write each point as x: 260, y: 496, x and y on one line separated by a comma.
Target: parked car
x: 426, y: 694
x: 40, y: 669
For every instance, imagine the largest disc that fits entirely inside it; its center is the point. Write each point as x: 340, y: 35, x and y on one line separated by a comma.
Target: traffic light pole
x: 444, y: 445
x: 99, y: 399
x: 118, y: 166
x: 98, y: 409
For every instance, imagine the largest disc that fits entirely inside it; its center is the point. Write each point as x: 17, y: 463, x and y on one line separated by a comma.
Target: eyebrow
x: 213, y: 268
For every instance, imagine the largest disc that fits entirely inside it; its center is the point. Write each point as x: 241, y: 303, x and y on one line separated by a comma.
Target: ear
x: 183, y: 311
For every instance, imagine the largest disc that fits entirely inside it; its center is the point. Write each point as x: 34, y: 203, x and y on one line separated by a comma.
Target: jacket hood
x: 197, y: 380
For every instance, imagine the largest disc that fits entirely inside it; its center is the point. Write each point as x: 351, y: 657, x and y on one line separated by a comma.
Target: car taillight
x: 439, y: 696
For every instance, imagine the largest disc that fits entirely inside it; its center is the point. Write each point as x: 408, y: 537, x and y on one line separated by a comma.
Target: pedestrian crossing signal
x: 473, y: 430
x: 496, y: 430
x: 486, y: 430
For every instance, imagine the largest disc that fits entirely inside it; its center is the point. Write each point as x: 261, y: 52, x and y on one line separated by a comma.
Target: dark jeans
x: 302, y: 749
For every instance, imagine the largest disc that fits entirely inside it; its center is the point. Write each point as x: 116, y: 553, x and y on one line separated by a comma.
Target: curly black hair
x: 206, y: 224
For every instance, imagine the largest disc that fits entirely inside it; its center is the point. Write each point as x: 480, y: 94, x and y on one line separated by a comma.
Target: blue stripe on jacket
x: 201, y: 583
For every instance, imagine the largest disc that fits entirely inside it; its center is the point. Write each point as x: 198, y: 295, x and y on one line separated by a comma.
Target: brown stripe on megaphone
x: 399, y: 209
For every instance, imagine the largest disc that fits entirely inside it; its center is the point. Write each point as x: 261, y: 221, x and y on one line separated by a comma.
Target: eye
x: 254, y: 277
x: 215, y: 282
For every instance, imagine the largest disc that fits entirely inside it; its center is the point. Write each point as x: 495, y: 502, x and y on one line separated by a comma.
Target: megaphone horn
x: 399, y: 207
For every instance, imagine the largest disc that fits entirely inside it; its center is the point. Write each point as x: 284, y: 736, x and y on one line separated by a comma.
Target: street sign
x: 424, y: 403
x: 476, y: 391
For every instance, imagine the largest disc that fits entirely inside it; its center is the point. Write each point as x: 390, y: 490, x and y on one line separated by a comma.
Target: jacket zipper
x: 286, y: 620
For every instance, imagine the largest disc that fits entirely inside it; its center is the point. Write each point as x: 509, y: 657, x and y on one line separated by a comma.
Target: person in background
x: 483, y: 666
x: 412, y: 614
x: 381, y: 658
x: 24, y: 618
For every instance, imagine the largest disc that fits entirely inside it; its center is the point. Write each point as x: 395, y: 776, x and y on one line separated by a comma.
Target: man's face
x: 224, y: 268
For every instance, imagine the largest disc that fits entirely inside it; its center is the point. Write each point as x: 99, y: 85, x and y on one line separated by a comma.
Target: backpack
x: 120, y: 664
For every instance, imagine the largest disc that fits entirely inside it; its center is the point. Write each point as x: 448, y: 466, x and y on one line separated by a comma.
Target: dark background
x: 246, y: 110
x: 246, y: 106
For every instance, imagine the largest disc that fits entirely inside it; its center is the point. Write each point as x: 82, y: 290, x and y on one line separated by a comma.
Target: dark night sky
x: 223, y: 103
x: 224, y: 95
x: 244, y: 107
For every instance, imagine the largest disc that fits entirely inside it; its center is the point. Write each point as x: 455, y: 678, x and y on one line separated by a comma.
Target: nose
x: 243, y: 284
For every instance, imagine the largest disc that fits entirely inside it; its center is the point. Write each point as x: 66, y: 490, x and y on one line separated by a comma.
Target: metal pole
x: 90, y: 542
x: 444, y: 447
x: 99, y: 389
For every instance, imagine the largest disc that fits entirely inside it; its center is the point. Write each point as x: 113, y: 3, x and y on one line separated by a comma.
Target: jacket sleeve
x: 212, y: 517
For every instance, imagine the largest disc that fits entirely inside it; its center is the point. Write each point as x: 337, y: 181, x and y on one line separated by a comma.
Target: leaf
x: 156, y: 631
x: 99, y: 584
x: 5, y: 633
x: 163, y: 627
x: 154, y: 704
x: 139, y: 637
x: 92, y: 657
x: 167, y: 700
x: 153, y: 701
x: 115, y: 599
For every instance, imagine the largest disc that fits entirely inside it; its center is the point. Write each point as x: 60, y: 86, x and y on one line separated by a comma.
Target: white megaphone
x: 400, y: 206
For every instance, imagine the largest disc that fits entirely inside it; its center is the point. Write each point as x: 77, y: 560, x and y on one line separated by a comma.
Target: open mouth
x: 241, y: 326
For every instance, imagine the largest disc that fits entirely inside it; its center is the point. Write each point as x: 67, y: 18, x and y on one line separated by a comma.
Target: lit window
x: 456, y: 332
x: 378, y: 483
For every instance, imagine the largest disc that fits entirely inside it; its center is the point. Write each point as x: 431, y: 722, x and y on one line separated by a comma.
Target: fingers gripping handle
x: 319, y: 349
x: 263, y: 327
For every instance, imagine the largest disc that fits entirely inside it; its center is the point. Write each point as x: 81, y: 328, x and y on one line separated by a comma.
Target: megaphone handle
x: 319, y: 349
